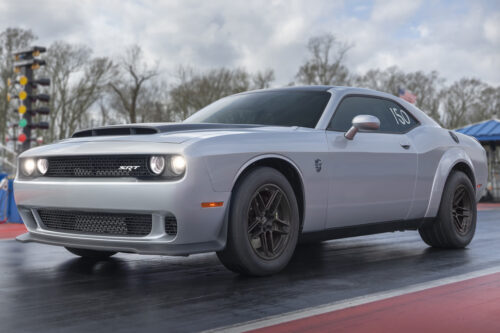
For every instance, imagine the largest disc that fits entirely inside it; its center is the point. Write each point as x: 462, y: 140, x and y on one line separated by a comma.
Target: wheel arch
x: 453, y: 160
x: 465, y: 168
x: 284, y: 165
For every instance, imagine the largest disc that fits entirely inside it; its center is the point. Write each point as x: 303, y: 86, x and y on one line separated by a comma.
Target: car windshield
x: 275, y: 108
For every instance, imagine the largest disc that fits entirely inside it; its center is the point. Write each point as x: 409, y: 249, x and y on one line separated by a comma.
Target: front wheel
x: 91, y: 254
x: 455, y: 224
x: 263, y: 224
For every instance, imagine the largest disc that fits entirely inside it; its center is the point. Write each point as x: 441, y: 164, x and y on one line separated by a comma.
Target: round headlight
x: 42, y: 166
x: 28, y: 166
x: 178, y: 165
x: 157, y: 164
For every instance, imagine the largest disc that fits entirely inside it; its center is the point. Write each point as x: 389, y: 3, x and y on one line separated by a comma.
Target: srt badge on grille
x: 129, y: 167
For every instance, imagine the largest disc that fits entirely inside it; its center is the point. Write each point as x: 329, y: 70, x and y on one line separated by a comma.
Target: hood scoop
x: 144, y: 129
x: 115, y: 131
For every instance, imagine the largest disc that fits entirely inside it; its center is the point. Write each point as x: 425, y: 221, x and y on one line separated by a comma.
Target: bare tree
x: 326, y: 63
x: 460, y: 101
x: 262, y: 80
x: 388, y: 80
x: 11, y: 40
x: 77, y: 83
x: 488, y: 105
x: 129, y: 85
x: 86, y: 92
x: 196, y: 90
x: 426, y: 86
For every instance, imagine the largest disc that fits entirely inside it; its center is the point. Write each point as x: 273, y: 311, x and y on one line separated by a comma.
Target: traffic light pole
x: 28, y: 72
x: 27, y: 61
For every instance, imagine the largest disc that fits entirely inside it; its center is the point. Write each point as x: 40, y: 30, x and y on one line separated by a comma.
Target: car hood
x: 167, y: 132
x: 177, y: 136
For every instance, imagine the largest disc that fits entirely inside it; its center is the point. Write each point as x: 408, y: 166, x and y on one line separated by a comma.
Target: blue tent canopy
x: 488, y: 130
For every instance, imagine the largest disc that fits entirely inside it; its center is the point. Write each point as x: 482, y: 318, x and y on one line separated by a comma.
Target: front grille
x: 170, y: 225
x: 96, y: 223
x: 99, y: 166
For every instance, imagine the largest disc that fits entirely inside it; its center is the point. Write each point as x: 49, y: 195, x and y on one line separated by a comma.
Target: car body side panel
x: 430, y: 143
x: 372, y: 178
x: 308, y: 146
x: 438, y: 153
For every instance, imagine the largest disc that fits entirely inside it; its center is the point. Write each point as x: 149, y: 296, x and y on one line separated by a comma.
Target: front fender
x: 449, y: 159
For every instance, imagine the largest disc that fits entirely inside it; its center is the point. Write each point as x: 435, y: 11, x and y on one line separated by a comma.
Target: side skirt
x: 363, y: 230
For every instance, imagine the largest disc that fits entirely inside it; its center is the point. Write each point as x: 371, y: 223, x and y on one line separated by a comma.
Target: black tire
x: 254, y: 230
x: 91, y: 254
x: 455, y: 224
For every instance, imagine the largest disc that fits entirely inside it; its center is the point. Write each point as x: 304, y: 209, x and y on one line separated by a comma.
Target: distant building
x: 488, y: 134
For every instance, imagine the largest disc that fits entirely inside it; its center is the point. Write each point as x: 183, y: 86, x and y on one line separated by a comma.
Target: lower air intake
x: 96, y: 223
x: 170, y: 225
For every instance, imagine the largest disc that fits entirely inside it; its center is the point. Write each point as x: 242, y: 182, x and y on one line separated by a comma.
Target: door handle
x: 405, y: 145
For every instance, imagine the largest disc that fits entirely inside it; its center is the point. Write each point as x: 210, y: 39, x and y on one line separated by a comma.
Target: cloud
x: 392, y: 12
x: 457, y: 38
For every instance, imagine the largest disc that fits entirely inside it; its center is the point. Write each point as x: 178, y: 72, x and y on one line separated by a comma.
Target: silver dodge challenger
x: 251, y: 175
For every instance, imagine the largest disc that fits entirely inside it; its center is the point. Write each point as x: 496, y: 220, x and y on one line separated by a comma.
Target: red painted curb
x: 488, y: 205
x: 11, y: 230
x: 468, y: 306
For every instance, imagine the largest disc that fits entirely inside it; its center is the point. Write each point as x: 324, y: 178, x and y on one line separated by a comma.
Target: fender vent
x: 454, y: 136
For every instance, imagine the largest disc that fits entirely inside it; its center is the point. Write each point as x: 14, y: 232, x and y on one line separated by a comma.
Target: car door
x: 372, y: 177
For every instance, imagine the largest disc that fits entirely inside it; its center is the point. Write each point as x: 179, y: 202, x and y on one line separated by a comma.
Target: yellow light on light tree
x: 22, y: 109
x: 23, y: 80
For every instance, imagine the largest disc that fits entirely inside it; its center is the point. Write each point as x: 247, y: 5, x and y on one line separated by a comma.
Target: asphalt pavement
x: 46, y: 289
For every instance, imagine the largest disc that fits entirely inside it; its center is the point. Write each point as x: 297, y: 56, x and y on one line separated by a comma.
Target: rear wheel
x: 263, y: 224
x: 91, y: 254
x: 455, y: 224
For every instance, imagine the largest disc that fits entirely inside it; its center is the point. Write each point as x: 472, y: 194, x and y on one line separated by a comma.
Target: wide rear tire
x: 455, y: 224
x: 91, y: 254
x: 263, y: 224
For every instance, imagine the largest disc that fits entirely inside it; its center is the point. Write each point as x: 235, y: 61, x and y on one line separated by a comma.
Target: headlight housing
x: 28, y: 167
x: 178, y: 165
x: 167, y: 166
x: 33, y: 167
x: 157, y: 164
x: 42, y: 166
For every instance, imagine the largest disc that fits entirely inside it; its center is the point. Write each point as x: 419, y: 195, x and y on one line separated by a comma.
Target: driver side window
x: 393, y: 118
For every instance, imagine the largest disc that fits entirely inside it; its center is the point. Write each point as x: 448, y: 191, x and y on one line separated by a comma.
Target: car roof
x: 344, y: 89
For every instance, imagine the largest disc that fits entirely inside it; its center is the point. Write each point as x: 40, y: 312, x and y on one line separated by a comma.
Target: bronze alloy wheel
x: 461, y: 210
x: 269, y: 221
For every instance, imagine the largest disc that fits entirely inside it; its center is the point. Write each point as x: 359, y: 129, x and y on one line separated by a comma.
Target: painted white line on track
x: 344, y: 304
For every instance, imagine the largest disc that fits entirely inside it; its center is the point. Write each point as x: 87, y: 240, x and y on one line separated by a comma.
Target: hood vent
x: 116, y: 131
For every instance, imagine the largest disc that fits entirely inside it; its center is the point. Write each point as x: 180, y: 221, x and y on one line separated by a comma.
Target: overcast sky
x: 457, y: 38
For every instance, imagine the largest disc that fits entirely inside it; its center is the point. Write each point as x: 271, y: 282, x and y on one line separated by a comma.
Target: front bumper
x: 117, y: 245
x: 198, y: 229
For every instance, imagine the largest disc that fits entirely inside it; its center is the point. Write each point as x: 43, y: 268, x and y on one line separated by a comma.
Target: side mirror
x: 362, y: 122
